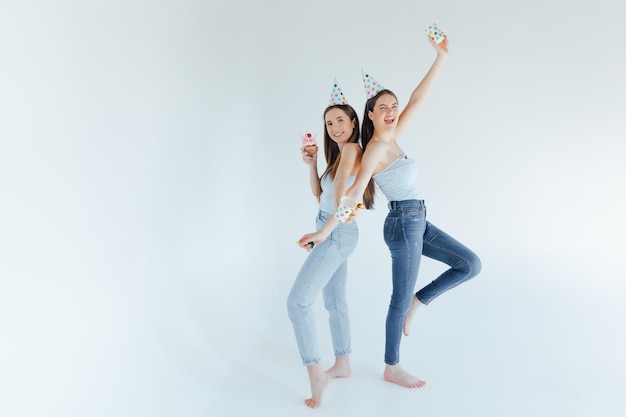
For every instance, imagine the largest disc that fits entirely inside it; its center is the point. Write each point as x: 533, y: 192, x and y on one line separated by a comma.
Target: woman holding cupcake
x: 325, y: 268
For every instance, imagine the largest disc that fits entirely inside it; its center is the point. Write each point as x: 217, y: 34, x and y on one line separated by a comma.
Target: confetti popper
x: 309, y: 144
x: 357, y: 208
x: 435, y: 33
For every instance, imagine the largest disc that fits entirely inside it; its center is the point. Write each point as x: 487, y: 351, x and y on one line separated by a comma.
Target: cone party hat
x: 336, y: 95
x: 371, y: 86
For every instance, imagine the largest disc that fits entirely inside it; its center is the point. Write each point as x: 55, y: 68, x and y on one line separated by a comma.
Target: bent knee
x: 474, y: 265
x: 469, y: 265
x: 297, y: 303
x: 292, y: 304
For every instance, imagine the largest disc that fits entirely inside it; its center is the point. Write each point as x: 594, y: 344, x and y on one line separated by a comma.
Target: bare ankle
x: 397, y: 375
x: 341, y: 368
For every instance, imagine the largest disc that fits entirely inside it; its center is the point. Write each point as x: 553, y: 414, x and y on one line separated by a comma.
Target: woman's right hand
x: 316, y: 238
x: 307, y: 158
x: 441, y: 47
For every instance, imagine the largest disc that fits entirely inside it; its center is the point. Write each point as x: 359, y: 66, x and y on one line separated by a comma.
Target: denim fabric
x: 408, y: 236
x: 324, y: 271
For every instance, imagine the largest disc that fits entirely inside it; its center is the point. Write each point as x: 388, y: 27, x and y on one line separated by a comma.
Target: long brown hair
x: 368, y: 125
x: 333, y: 155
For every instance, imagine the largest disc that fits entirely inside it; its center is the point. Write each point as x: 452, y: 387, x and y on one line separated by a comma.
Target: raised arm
x: 419, y: 95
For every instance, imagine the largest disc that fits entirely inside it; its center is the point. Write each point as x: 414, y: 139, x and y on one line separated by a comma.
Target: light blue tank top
x: 397, y: 180
x: 327, y: 199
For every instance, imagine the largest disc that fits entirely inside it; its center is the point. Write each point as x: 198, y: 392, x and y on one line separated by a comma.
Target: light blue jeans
x: 324, y: 271
x: 409, y: 236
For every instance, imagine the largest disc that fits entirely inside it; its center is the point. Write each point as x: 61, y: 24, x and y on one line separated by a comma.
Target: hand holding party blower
x: 348, y: 209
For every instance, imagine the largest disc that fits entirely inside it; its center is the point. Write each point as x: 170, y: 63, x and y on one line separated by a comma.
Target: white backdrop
x: 152, y: 191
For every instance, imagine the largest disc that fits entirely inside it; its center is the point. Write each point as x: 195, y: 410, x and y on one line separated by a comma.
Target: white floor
x: 519, y: 351
x: 511, y: 343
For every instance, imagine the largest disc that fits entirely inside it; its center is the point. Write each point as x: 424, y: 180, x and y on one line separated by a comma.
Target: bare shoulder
x: 373, y: 155
x: 377, y: 147
x: 351, y: 149
x: 381, y: 154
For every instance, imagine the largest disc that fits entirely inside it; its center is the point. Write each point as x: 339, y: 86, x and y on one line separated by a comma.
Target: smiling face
x: 384, y: 115
x: 339, y: 126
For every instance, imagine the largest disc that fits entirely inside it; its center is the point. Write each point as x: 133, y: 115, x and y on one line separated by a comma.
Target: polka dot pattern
x: 371, y: 86
x: 342, y: 214
x: 344, y: 211
x: 336, y: 95
x: 434, y: 33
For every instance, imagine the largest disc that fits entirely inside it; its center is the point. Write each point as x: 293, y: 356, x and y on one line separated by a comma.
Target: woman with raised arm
x: 406, y: 232
x: 325, y: 269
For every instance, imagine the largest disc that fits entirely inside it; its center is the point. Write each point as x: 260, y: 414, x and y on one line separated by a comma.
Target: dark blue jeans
x: 409, y: 236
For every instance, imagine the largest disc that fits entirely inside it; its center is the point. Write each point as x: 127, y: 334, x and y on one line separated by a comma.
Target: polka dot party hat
x: 371, y: 86
x: 336, y: 96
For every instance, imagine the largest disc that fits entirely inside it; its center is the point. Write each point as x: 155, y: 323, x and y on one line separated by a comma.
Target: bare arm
x: 369, y: 162
x: 314, y: 177
x: 349, y: 156
x: 421, y: 92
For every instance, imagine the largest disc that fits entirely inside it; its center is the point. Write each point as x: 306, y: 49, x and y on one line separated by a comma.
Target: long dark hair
x: 368, y: 126
x: 333, y: 155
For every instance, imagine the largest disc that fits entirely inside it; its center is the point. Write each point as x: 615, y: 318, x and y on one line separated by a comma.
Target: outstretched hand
x: 441, y: 47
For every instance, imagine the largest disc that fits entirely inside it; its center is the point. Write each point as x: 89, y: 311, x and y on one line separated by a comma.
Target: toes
x: 311, y: 403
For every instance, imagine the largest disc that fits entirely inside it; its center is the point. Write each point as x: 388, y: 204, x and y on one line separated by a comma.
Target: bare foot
x: 341, y: 368
x: 319, y: 382
x: 397, y: 375
x: 415, y: 304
